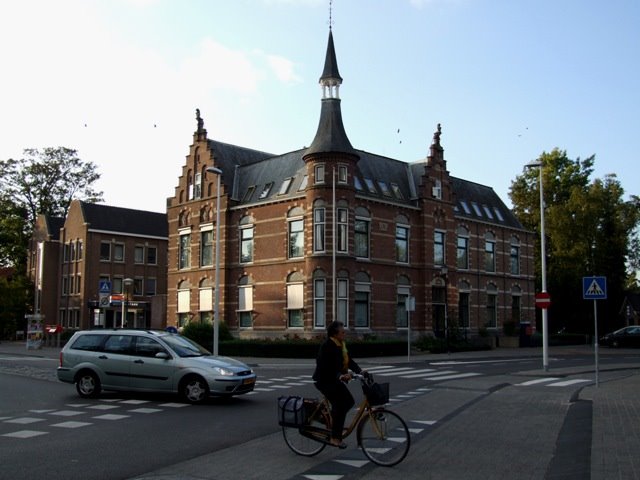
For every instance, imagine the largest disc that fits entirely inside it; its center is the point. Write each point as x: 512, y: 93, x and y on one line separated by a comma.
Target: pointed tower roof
x: 330, y: 71
x: 330, y: 136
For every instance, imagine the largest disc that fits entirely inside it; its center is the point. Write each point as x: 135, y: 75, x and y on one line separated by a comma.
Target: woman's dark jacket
x: 329, y: 363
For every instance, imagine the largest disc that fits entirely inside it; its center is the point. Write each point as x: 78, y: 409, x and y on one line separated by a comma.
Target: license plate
x: 248, y: 381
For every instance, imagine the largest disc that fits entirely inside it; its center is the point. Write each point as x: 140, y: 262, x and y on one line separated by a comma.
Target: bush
x: 202, y: 333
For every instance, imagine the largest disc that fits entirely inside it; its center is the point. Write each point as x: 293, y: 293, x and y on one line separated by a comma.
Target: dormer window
x: 284, y: 188
x: 370, y: 186
x: 266, y: 190
x: 357, y: 183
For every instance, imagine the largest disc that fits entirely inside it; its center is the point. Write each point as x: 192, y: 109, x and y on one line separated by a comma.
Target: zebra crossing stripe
x: 566, y: 383
x: 453, y: 377
x: 536, y: 381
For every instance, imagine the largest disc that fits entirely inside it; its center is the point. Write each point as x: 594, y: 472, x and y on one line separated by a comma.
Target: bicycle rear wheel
x: 384, y: 437
x: 300, y: 443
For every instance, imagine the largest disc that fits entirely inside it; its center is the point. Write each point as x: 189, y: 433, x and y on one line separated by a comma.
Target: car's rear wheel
x: 194, y: 389
x: 88, y: 384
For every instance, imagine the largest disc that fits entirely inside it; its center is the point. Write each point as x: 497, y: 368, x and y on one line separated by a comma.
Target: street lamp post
x: 216, y: 301
x: 443, y: 274
x: 543, y: 267
x: 127, y: 282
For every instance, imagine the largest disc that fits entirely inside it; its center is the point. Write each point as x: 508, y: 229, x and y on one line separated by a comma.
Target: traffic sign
x: 104, y: 286
x: 594, y: 288
x: 543, y: 300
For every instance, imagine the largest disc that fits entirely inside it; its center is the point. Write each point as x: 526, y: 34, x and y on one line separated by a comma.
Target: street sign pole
x: 595, y: 320
x: 595, y: 288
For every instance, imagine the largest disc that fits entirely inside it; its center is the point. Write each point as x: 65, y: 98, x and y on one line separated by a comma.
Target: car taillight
x: 60, y: 358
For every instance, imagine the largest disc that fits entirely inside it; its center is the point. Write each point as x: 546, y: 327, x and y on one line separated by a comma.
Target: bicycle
x: 382, y: 434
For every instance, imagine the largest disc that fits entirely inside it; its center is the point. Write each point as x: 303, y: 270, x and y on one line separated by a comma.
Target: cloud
x: 283, y: 69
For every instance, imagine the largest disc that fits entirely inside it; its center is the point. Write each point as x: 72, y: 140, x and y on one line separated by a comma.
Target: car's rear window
x: 88, y: 342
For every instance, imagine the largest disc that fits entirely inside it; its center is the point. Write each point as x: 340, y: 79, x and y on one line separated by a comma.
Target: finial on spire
x: 330, y: 13
x: 436, y: 135
x: 199, y: 120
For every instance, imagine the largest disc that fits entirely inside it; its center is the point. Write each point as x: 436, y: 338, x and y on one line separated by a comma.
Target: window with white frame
x: 245, y: 303
x: 152, y: 255
x: 319, y: 173
x: 343, y: 299
x: 206, y: 246
x: 319, y: 228
x: 118, y: 252
x: 464, y: 297
x: 205, y: 296
x: 342, y: 174
x: 403, y: 292
x: 438, y: 248
x: 184, y: 297
x: 138, y: 286
x: 361, y: 239
x: 514, y: 256
x: 402, y: 243
x: 246, y: 240
x: 184, y: 250
x: 462, y: 248
x: 296, y: 237
x: 362, y: 300
x: 492, y: 307
x: 295, y: 300
x: 105, y: 251
x: 138, y: 254
x: 319, y: 302
x: 489, y: 252
x: 343, y: 230
x: 150, y: 286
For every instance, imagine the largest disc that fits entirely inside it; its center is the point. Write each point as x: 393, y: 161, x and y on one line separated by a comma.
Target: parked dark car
x: 625, y: 337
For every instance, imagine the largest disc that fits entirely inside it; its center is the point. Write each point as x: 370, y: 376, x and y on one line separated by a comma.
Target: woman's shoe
x: 334, y: 442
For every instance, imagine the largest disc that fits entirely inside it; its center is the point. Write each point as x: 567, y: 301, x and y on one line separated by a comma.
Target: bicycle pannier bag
x: 291, y: 411
x: 376, y: 393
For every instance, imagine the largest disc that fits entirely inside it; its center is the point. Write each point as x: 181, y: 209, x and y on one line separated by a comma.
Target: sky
x: 120, y: 80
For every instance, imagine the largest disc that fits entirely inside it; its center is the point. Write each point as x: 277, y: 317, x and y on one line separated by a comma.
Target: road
x: 47, y: 431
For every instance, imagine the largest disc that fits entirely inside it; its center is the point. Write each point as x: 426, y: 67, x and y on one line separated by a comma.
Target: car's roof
x: 105, y: 331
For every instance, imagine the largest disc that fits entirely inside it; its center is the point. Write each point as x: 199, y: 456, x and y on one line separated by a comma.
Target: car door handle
x: 138, y: 361
x: 103, y: 357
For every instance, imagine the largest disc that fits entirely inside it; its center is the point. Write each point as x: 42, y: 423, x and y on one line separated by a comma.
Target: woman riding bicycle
x: 332, y: 371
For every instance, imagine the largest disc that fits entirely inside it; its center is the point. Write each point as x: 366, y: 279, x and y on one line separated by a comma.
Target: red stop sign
x: 543, y: 300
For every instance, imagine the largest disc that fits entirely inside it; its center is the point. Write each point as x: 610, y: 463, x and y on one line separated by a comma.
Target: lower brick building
x: 334, y: 232
x: 100, y: 265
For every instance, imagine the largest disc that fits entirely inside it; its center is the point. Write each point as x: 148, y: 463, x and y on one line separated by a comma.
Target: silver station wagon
x: 149, y: 361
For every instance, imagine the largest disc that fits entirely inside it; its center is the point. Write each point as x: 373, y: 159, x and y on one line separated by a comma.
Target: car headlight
x: 223, y: 371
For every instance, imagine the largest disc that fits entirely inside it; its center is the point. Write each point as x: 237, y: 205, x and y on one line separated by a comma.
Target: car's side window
x: 118, y: 344
x: 90, y: 343
x: 147, y: 347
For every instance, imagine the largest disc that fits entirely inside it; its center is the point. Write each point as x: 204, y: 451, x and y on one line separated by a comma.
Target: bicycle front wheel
x: 300, y: 443
x: 384, y: 437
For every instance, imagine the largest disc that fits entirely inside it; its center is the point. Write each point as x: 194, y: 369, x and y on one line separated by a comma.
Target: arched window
x: 403, y: 293
x: 319, y: 299
x: 246, y: 239
x: 295, y: 300
x: 489, y: 252
x: 245, y: 302
x: 362, y: 303
x: 492, y: 306
x: 205, y: 300
x: 362, y: 232
x: 462, y: 248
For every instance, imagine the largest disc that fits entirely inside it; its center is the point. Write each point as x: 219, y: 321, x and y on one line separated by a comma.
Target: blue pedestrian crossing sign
x: 594, y: 288
x: 104, y: 286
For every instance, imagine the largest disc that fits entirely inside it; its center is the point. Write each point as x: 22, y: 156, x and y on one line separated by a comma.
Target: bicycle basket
x: 291, y: 411
x: 376, y: 393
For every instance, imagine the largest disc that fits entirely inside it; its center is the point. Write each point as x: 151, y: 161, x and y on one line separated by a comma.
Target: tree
x: 43, y: 182
x: 47, y: 180
x: 589, y: 231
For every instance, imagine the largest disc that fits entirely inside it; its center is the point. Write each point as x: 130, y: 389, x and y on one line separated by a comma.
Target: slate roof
x: 125, y: 220
x: 261, y: 175
x: 54, y: 224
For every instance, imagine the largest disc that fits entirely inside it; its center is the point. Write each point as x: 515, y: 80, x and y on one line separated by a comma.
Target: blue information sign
x: 104, y: 286
x: 594, y: 288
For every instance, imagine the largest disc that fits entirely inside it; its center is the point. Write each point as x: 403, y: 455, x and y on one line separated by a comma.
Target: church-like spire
x: 331, y: 136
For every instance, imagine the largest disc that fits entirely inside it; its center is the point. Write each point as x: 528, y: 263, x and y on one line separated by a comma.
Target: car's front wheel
x: 88, y: 384
x: 194, y: 389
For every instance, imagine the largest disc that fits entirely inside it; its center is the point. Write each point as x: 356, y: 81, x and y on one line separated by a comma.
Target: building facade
x: 123, y: 251
x: 333, y: 232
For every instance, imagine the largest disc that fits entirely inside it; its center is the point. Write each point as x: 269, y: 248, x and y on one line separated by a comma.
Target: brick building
x: 331, y: 231
x: 70, y: 257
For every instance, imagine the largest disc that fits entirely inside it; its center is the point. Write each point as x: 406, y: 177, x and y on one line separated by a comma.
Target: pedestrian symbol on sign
x: 594, y: 288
